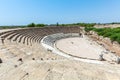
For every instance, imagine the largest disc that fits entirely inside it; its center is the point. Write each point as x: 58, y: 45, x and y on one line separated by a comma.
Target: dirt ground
x: 81, y: 47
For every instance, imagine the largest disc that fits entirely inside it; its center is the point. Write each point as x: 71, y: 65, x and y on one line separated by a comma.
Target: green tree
x: 31, y: 25
x: 40, y: 25
x: 57, y: 24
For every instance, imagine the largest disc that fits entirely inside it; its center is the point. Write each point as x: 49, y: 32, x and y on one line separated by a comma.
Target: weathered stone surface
x: 41, y: 64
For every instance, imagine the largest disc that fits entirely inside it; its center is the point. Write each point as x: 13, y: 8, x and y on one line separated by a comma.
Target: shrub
x: 107, y: 34
x: 87, y: 29
x: 112, y: 33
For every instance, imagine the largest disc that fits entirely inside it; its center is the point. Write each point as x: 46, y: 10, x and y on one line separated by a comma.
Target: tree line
x: 36, y: 25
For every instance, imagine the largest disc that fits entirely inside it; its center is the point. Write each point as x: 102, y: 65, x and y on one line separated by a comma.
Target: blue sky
x: 21, y: 12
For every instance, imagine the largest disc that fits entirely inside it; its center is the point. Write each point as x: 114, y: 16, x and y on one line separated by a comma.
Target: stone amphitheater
x: 32, y: 54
